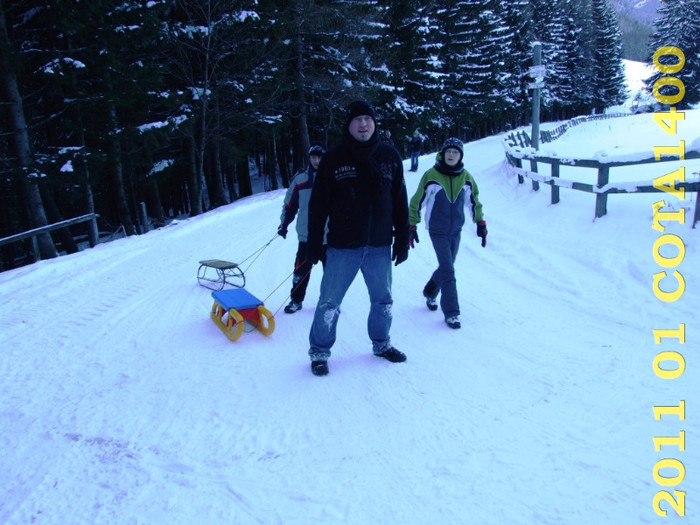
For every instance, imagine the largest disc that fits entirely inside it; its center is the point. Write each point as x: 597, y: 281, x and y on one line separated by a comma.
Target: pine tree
x: 678, y: 25
x: 608, y: 69
x: 95, y: 83
x: 362, y: 36
x: 517, y: 18
x: 563, y: 27
x: 403, y: 96
x: 23, y: 165
x: 425, y: 77
x: 474, y: 59
x: 217, y: 57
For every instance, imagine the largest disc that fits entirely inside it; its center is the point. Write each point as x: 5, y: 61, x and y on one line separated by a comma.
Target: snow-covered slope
x: 123, y: 403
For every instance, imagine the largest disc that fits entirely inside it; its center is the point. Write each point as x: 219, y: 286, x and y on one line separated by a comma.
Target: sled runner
x: 215, y: 274
x: 233, y: 307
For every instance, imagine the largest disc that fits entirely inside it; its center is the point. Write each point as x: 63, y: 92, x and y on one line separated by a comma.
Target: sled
x: 215, y: 274
x: 232, y: 308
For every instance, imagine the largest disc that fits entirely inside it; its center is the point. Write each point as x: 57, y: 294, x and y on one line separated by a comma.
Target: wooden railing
x: 51, y: 227
x: 603, y: 186
x: 522, y: 138
x: 554, y: 134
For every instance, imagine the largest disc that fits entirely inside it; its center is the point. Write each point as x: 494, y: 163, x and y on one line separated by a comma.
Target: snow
x: 123, y: 403
x: 618, y: 140
x: 636, y: 73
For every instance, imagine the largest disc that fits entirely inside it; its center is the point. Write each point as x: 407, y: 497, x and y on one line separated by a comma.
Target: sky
x: 123, y: 403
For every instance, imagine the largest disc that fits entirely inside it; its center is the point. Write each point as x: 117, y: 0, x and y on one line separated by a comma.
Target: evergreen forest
x: 176, y: 106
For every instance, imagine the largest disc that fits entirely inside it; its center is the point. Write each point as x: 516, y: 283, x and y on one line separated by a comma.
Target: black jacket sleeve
x: 400, y: 205
x: 319, y: 207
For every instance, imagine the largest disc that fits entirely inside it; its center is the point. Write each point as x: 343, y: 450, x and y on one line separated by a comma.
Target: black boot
x: 319, y: 368
x: 393, y: 355
x: 292, y: 307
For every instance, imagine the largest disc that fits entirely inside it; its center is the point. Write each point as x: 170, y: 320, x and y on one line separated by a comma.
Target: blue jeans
x: 340, y: 271
x: 446, y: 248
x: 414, y: 160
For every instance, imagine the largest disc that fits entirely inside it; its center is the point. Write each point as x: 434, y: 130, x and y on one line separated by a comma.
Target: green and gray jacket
x: 446, y: 193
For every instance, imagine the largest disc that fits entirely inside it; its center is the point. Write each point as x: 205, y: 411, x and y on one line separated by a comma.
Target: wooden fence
x: 603, y: 186
x: 523, y: 139
x: 93, y: 233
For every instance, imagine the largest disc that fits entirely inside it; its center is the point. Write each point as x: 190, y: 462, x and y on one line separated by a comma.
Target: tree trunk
x: 64, y: 235
x: 201, y: 150
x: 300, y: 89
x: 245, y: 188
x: 20, y: 139
x: 283, y: 161
x: 194, y: 182
x: 216, y: 191
x: 11, y: 221
x: 82, y: 165
x: 231, y: 183
x: 115, y: 162
x: 272, y: 164
x: 155, y: 203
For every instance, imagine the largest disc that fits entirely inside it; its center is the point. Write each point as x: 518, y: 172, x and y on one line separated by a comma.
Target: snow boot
x: 393, y: 355
x: 430, y: 292
x: 453, y: 322
x: 319, y: 368
x: 292, y: 307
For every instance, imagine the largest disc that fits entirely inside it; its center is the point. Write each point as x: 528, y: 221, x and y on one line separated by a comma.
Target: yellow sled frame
x: 231, y: 321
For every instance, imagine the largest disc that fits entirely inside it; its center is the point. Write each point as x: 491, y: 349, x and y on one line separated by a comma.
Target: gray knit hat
x: 317, y: 149
x: 453, y: 142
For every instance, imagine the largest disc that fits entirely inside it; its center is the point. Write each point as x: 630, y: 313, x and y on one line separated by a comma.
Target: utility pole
x: 537, y: 72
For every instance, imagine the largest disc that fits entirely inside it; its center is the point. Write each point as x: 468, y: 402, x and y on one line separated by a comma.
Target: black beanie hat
x: 357, y: 108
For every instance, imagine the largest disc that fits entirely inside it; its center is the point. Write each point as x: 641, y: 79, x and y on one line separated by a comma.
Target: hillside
x: 122, y: 403
x: 636, y: 19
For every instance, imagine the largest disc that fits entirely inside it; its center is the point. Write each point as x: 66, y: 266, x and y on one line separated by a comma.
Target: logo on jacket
x: 345, y: 172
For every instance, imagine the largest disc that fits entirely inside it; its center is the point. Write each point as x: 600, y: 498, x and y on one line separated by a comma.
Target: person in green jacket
x: 445, y: 193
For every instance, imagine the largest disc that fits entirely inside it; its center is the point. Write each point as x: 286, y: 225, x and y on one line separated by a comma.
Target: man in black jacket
x: 360, y: 194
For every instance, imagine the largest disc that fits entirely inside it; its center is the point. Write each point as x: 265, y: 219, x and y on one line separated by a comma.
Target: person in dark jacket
x: 360, y: 195
x: 296, y: 204
x: 386, y: 139
x: 446, y: 191
x: 415, y: 146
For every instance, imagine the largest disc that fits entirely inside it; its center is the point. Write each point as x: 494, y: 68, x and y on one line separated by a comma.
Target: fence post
x: 35, y: 248
x: 143, y: 217
x: 601, y: 199
x: 555, y: 188
x: 533, y: 167
x: 93, y: 232
x: 536, y: 62
x: 519, y: 164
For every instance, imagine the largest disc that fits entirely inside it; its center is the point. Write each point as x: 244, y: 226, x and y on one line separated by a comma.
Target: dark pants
x: 443, y: 279
x: 302, y: 272
x: 414, y: 160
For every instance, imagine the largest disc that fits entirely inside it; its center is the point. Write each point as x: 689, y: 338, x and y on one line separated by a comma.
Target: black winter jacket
x: 360, y: 192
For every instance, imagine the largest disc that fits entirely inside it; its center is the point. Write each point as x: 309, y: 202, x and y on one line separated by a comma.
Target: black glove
x: 282, y: 231
x: 482, y: 232
x: 314, y: 253
x: 399, y: 253
x: 412, y: 236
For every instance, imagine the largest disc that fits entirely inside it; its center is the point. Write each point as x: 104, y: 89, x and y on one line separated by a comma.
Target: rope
x: 257, y: 253
x: 294, y: 288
